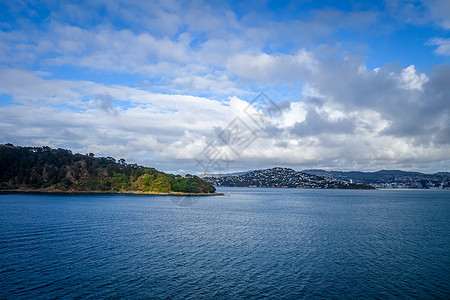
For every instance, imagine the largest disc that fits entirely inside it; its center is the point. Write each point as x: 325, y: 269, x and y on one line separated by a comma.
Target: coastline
x: 41, y: 191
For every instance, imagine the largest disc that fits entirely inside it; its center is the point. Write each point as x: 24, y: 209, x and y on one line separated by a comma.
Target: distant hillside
x: 223, y: 175
x: 442, y: 173
x: 53, y: 170
x: 389, y: 178
x: 282, y: 177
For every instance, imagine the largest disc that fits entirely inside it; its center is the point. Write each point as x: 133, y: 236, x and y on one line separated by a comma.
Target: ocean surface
x: 254, y: 243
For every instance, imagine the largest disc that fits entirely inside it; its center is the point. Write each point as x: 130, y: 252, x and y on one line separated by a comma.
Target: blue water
x: 274, y: 243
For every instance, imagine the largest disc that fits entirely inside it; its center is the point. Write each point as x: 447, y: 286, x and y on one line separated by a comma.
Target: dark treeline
x: 44, y: 168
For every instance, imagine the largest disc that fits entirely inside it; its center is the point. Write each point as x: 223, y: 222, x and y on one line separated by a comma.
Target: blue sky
x: 359, y: 85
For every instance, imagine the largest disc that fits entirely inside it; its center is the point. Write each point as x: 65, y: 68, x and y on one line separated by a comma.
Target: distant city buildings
x: 282, y: 178
x: 288, y: 178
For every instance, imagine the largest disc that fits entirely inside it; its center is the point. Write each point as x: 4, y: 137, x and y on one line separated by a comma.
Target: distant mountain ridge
x: 389, y: 178
x: 283, y: 178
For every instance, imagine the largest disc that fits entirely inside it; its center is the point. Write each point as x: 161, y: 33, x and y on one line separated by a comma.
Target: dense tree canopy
x: 44, y: 168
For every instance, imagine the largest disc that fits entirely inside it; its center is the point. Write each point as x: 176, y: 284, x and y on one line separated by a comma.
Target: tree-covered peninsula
x: 59, y: 170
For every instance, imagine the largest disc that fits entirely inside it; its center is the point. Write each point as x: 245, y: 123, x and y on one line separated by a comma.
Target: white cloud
x: 107, y: 49
x: 25, y: 86
x: 296, y: 113
x: 271, y: 69
x: 411, y: 80
x: 443, y: 45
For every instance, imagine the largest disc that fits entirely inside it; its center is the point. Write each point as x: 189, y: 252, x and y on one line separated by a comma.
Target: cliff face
x: 46, y: 169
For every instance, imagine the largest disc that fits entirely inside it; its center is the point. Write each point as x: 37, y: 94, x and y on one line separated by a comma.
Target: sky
x: 225, y: 86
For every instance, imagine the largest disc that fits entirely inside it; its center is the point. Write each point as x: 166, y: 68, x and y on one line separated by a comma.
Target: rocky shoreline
x: 43, y: 191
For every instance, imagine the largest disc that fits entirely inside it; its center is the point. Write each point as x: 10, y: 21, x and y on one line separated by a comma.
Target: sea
x: 251, y: 243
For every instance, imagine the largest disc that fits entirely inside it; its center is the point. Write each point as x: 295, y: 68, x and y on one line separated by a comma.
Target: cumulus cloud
x: 316, y: 124
x: 351, y: 113
x: 410, y: 101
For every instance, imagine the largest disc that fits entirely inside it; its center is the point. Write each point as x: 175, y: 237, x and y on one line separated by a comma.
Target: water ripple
x: 258, y: 243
